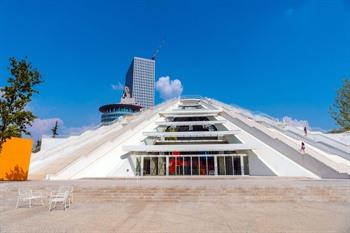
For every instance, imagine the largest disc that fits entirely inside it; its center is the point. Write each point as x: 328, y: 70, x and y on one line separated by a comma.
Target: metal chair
x: 62, y: 189
x: 59, y: 198
x: 27, y: 195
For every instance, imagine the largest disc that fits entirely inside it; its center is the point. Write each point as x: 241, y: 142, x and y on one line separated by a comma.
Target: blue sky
x: 283, y: 58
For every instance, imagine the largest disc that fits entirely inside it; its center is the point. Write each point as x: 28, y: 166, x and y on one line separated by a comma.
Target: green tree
x: 15, y: 96
x: 54, y: 130
x: 340, y: 110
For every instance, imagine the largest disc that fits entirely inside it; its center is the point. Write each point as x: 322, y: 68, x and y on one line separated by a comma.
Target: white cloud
x: 43, y: 127
x: 77, y: 130
x: 117, y: 87
x: 294, y: 122
x: 169, y: 88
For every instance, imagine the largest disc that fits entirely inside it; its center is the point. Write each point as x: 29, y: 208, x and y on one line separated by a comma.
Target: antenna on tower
x: 157, y: 50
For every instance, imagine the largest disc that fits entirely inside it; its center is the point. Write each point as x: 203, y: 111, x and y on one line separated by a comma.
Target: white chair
x: 27, y: 195
x: 62, y: 189
x: 59, y: 198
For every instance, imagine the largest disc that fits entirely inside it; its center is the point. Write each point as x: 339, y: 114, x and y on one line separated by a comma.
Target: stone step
x: 124, y: 193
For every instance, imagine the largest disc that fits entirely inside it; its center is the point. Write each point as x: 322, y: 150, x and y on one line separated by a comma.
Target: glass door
x: 211, y: 166
x: 203, y: 166
x: 195, y: 166
x: 179, y: 166
x: 187, y: 166
x: 171, y: 166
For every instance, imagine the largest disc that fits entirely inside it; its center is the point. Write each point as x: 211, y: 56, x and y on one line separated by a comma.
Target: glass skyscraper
x: 140, y: 80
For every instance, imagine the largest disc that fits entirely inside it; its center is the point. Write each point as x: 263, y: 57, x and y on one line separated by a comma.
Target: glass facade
x: 176, y: 165
x: 140, y: 80
x: 192, y: 131
x: 112, y: 112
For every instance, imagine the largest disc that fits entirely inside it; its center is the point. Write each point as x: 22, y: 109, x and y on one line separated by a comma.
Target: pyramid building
x: 192, y: 136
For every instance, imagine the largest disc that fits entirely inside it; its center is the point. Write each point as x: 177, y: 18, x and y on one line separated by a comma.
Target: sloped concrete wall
x: 257, y: 167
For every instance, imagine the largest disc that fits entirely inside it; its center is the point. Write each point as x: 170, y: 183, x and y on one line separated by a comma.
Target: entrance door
x: 187, y: 165
x: 179, y: 166
x: 146, y: 166
x: 171, y: 166
x: 211, y: 166
x: 229, y: 166
x: 195, y: 166
x: 221, y: 166
x: 203, y: 166
x: 237, y: 165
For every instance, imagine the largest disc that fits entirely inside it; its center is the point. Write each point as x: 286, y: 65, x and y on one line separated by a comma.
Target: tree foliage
x: 15, y: 96
x: 54, y: 130
x: 340, y: 110
x: 37, y: 146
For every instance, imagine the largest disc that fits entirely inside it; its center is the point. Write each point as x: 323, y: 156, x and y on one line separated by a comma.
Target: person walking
x: 305, y: 130
x: 302, y: 148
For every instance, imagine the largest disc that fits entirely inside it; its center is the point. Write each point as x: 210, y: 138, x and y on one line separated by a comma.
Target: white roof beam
x: 192, y: 133
x: 192, y: 112
x: 197, y: 147
x: 188, y: 123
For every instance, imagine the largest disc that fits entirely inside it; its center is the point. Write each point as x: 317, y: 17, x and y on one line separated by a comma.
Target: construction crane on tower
x: 157, y: 50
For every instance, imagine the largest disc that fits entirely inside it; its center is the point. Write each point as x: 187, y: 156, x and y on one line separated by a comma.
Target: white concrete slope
x: 103, y: 151
x: 54, y: 161
x: 333, y: 143
x: 276, y: 161
x: 335, y: 166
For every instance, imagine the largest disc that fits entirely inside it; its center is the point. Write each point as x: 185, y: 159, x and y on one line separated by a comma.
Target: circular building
x: 111, y: 112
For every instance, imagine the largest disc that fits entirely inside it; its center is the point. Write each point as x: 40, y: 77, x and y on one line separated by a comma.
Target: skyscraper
x: 140, y: 80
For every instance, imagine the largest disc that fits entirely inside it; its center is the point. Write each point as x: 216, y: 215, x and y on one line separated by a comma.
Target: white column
x: 216, y: 165
x: 167, y: 165
x: 183, y: 166
x: 141, y: 166
x: 191, y: 164
x: 242, y: 165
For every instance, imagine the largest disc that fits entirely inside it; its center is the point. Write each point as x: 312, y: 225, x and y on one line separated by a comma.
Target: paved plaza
x: 245, y: 204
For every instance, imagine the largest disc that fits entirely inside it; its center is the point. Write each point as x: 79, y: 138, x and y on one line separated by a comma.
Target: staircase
x: 305, y: 160
x: 194, y: 190
x: 314, y: 162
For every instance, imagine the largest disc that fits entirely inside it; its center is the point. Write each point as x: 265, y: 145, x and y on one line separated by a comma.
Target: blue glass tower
x: 140, y: 80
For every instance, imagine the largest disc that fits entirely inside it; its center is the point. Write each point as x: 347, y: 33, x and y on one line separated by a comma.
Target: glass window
x: 211, y: 166
x: 187, y: 165
x: 171, y: 166
x: 203, y: 165
x: 138, y: 166
x: 237, y: 165
x: 195, y: 166
x: 161, y: 166
x: 246, y: 165
x: 154, y: 166
x: 179, y: 166
x: 221, y: 165
x: 229, y: 167
x: 146, y: 166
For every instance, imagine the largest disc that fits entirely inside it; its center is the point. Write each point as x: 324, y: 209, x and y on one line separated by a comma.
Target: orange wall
x: 15, y: 159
